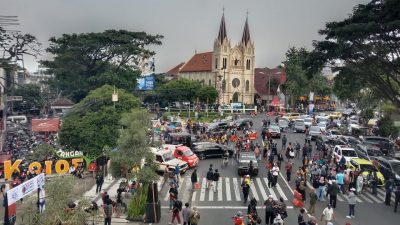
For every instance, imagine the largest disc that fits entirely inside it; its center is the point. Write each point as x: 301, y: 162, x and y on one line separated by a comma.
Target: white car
x: 322, y: 125
x: 322, y: 116
x: 314, y: 132
x: 308, y: 121
x: 346, y: 151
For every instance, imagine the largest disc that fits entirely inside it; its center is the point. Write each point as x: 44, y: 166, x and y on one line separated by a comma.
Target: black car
x: 385, y: 144
x: 208, y: 149
x: 390, y: 168
x: 367, y: 151
x: 244, y: 162
x: 349, y: 140
x: 219, y: 126
x: 243, y: 123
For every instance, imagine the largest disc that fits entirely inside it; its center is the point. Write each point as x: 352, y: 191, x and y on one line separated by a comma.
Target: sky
x: 187, y: 25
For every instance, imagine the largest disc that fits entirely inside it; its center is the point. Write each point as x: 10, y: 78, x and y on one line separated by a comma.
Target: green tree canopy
x: 365, y: 49
x: 207, y: 94
x: 133, y: 146
x: 31, y: 97
x: 83, y: 62
x: 301, y: 79
x: 94, y: 122
x: 182, y: 90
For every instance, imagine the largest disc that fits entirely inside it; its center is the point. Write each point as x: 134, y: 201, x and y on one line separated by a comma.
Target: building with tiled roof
x: 173, y: 73
x: 229, y: 69
x: 267, y: 83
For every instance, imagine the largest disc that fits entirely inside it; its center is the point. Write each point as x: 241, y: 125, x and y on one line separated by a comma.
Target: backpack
x: 195, y: 217
x: 179, y: 205
x: 215, y: 176
x: 210, y: 175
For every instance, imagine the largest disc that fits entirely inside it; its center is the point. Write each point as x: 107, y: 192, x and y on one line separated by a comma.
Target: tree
x: 31, y: 97
x: 83, y: 62
x: 207, y: 94
x: 133, y: 149
x: 41, y: 153
x: 94, y: 122
x: 301, y: 78
x: 365, y: 48
x: 14, y: 44
x: 60, y: 191
x: 181, y: 90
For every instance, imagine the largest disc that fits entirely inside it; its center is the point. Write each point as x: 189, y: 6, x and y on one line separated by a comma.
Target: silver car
x: 299, y: 126
x: 314, y: 132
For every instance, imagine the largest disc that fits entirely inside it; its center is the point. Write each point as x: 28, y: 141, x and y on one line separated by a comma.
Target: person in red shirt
x: 238, y: 219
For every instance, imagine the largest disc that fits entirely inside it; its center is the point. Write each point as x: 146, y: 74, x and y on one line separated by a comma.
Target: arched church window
x: 209, y: 82
x: 247, y: 85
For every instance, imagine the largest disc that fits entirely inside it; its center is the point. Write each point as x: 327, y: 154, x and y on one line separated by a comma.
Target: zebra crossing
x: 229, y: 190
x: 365, y: 196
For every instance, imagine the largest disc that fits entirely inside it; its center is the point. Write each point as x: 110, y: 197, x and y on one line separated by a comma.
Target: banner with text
x: 24, y: 189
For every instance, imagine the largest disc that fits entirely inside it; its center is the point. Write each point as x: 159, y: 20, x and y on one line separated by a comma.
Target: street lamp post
x: 223, y: 85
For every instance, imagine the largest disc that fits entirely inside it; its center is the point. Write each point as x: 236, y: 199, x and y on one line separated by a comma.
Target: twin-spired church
x: 230, y: 68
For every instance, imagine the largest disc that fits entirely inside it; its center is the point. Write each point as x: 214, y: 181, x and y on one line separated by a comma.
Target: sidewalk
x: 111, y: 187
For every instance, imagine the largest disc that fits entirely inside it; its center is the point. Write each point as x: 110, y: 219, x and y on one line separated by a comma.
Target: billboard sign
x: 145, y: 83
x: 46, y: 125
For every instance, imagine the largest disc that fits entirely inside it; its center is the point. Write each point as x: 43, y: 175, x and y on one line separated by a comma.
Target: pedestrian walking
x: 389, y: 184
x: 193, y: 178
x: 300, y: 217
x: 215, y: 180
x: 289, y: 168
x: 246, y: 188
x: 269, y: 205
x: 396, y: 198
x: 340, y: 181
x: 186, y: 214
x: 313, y: 201
x: 333, y: 190
x: 99, y: 182
x: 108, y: 211
x: 270, y: 179
x: 321, y: 188
x: 175, y: 212
x: 328, y: 214
x: 173, y: 195
x: 297, y: 148
x: 275, y: 173
x: 194, y: 216
x: 284, y: 141
x: 251, y: 169
x: 360, y: 183
x: 280, y: 159
x: 209, y: 176
x: 352, y: 203
x: 177, y: 172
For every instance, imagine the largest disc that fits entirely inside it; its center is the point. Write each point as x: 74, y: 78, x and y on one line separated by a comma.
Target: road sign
x: 14, y: 98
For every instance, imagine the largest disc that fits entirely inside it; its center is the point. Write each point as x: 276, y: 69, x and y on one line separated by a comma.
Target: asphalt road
x: 219, y: 207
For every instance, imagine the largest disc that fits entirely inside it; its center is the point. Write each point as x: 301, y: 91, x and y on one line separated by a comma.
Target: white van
x: 17, y: 119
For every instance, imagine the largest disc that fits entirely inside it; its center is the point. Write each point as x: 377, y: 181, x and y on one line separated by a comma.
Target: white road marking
x: 339, y: 198
x: 254, y: 191
x: 228, y: 189
x: 261, y: 187
x: 236, y: 189
x: 373, y: 197
x: 281, y: 193
x: 287, y: 184
x: 225, y: 207
x: 203, y: 189
x: 220, y: 190
x: 194, y: 196
x: 211, y: 193
x: 270, y: 189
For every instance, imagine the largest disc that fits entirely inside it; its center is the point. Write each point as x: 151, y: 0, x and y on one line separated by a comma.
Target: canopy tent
x: 275, y: 101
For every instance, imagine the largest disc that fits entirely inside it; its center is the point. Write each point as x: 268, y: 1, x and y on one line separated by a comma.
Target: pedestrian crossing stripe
x: 259, y: 189
x: 228, y: 189
x: 236, y: 189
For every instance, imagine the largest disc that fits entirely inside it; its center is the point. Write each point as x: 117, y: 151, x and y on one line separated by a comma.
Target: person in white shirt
x: 275, y: 173
x: 327, y: 215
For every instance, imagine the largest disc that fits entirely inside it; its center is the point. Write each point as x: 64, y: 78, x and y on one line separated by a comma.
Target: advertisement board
x: 24, y: 189
x: 46, y: 125
x: 145, y: 83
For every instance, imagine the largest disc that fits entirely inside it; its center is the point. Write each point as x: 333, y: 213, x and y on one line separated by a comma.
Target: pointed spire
x: 246, y: 32
x: 222, y: 29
